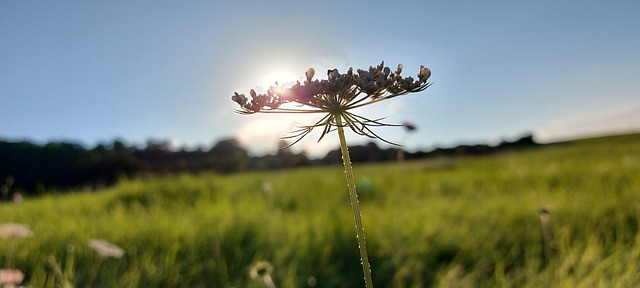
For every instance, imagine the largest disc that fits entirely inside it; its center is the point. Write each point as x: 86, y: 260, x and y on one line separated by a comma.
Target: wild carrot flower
x: 335, y: 98
x: 14, y: 230
x: 105, y: 249
x: 10, y: 277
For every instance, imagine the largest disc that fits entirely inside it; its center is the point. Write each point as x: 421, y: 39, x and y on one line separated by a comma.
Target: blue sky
x: 90, y: 71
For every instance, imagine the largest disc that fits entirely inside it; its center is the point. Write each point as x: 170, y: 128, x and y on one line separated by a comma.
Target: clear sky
x: 93, y: 71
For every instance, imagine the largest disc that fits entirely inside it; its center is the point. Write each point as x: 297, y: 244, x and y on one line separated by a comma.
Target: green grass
x: 464, y: 222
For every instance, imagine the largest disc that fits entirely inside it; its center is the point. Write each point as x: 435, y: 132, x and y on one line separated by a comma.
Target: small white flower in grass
x: 10, y: 277
x: 14, y: 230
x: 266, y: 187
x: 105, y: 249
x: 262, y: 270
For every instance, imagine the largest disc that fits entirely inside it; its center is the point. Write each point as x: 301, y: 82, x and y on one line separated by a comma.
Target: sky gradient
x: 90, y: 72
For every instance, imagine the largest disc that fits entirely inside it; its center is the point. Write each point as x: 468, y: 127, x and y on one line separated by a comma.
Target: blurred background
x: 93, y: 72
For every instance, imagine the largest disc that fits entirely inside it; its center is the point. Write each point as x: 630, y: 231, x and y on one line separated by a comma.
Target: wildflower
x: 10, y: 277
x: 14, y: 230
x: 106, y: 249
x: 262, y: 270
x: 335, y: 97
x: 266, y: 187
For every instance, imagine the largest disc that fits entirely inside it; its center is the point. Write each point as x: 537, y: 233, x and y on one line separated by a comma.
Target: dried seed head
x: 337, y: 95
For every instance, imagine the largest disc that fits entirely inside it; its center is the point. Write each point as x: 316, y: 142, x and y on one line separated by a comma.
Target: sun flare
x: 282, y: 76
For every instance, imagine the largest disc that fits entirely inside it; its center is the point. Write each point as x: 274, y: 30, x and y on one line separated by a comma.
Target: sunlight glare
x: 262, y: 135
x: 283, y: 76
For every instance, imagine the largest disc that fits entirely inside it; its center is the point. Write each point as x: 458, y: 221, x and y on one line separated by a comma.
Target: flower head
x: 105, y: 249
x: 14, y: 230
x: 10, y: 277
x: 335, y: 96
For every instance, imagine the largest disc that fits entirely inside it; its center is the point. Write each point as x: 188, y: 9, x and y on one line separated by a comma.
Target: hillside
x: 562, y: 215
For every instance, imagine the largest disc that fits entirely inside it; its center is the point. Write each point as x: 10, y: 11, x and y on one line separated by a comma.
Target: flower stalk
x: 355, y: 204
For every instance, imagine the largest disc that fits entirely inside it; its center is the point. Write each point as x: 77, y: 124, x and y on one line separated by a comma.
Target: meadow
x: 561, y: 215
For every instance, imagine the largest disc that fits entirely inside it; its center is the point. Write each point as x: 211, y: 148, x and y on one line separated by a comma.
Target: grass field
x: 462, y: 222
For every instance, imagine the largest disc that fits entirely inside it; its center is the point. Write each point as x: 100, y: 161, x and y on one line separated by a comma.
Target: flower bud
x: 310, y: 74
x: 333, y: 74
x: 239, y: 98
x: 425, y: 73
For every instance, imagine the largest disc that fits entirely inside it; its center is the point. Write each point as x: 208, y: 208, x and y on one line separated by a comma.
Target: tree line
x: 34, y: 169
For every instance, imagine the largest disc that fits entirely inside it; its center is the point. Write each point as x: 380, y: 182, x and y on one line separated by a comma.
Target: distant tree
x: 156, y: 157
x: 523, y: 142
x: 106, y: 163
x: 369, y: 152
x: 289, y: 159
x: 56, y: 164
x: 228, y: 156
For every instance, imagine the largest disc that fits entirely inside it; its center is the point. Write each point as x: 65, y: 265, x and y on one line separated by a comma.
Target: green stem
x: 355, y: 205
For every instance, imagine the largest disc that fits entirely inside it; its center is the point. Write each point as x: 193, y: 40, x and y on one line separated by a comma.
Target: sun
x: 282, y: 75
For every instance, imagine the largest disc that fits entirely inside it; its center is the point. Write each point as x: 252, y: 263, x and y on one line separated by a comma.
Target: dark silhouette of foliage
x: 227, y: 156
x: 35, y: 169
x: 280, y: 159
